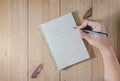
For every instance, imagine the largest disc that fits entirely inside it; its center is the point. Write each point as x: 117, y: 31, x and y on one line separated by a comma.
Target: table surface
x: 22, y: 47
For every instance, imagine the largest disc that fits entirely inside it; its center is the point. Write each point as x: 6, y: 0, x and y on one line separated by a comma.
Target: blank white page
x: 66, y: 46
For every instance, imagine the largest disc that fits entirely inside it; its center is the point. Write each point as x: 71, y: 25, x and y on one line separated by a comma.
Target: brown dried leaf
x: 37, y: 71
x: 88, y: 14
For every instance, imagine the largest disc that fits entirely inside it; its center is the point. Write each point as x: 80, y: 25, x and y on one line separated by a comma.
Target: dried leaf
x: 88, y: 14
x: 37, y: 71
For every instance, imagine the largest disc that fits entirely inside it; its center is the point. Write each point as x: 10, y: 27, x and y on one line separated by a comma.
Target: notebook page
x: 66, y: 46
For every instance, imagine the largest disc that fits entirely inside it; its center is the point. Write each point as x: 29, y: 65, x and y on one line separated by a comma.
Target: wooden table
x: 22, y: 47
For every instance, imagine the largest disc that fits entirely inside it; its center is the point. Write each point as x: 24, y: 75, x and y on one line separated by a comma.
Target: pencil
x: 95, y: 32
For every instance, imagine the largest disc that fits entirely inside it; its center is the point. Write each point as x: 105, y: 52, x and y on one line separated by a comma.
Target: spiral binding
x: 50, y: 51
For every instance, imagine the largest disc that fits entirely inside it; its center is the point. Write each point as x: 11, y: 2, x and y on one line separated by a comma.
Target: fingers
x: 83, y: 34
x: 96, y: 26
x: 85, y: 23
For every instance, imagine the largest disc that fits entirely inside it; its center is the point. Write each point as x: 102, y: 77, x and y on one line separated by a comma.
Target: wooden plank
x: 13, y: 38
x: 40, y: 11
x: 3, y: 40
x: 13, y: 35
x: 81, y: 71
x: 108, y: 12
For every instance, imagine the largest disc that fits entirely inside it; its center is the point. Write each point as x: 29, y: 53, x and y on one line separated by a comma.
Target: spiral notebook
x: 66, y: 46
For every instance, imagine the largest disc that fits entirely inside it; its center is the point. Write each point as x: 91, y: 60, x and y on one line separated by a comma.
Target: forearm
x: 111, y: 64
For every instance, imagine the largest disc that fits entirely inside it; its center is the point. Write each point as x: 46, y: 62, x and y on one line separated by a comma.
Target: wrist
x: 105, y: 46
x: 107, y: 50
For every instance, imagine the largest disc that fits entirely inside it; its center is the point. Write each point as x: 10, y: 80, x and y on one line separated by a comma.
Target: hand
x: 93, y: 39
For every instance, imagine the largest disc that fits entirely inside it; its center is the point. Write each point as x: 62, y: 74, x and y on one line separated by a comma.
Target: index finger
x: 84, y: 24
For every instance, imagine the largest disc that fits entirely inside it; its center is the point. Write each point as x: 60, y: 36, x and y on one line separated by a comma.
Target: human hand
x: 93, y: 39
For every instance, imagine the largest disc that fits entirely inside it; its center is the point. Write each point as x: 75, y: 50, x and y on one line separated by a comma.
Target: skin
x: 111, y: 64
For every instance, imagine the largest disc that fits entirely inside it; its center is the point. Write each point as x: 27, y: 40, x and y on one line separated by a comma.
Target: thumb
x: 84, y: 35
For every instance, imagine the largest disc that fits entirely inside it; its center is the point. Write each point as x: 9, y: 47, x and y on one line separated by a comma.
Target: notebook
x: 65, y: 44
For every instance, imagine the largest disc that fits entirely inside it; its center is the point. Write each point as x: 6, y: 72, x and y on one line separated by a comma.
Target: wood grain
x: 23, y: 48
x: 40, y: 11
x: 13, y: 35
x: 3, y: 40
